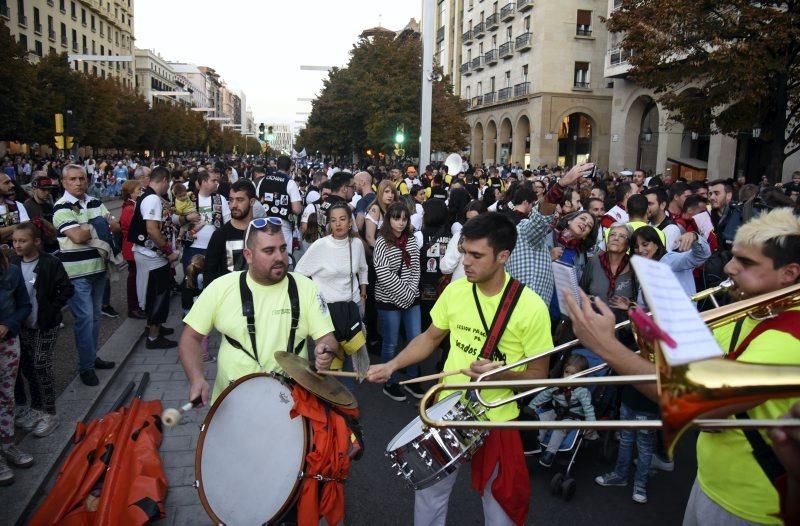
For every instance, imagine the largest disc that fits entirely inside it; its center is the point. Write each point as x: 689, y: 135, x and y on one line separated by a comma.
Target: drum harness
x: 249, y: 312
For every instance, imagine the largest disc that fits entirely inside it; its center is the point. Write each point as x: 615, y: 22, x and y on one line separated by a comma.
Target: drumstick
x: 346, y: 374
x: 171, y: 417
x: 442, y: 375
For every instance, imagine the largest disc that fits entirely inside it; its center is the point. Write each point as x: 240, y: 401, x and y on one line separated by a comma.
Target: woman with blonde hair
x: 385, y: 196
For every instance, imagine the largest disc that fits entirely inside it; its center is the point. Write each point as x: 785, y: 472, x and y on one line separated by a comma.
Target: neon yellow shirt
x: 726, y: 469
x: 527, y: 334
x: 220, y: 307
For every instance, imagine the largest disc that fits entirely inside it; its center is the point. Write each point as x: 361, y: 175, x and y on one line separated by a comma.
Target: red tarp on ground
x: 119, y: 452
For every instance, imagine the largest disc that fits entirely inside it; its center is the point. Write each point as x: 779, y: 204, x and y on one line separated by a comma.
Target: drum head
x: 414, y: 429
x: 250, y: 452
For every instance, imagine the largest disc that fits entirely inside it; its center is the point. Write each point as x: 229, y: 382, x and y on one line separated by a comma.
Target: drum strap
x: 511, y: 296
x: 249, y: 312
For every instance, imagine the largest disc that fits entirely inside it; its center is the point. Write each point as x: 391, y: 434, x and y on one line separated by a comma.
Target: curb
x: 75, y: 404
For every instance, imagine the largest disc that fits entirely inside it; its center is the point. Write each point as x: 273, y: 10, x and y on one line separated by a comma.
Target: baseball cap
x: 44, y: 183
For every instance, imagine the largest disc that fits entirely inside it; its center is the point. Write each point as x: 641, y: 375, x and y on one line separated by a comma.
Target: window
x: 37, y: 46
x: 50, y: 24
x: 37, y: 23
x: 581, y: 74
x: 525, y: 73
x: 494, y: 8
x: 491, y: 84
x: 480, y: 49
x: 508, y: 33
x: 73, y: 10
x: 75, y: 40
x: 63, y: 34
x: 508, y: 78
x: 21, y: 18
x: 468, y: 93
x: 494, y: 41
x: 62, y: 6
x: 480, y: 89
x: 94, y: 49
x: 23, y: 41
x: 584, y: 23
x: 83, y: 16
x: 52, y: 51
x: 94, y: 28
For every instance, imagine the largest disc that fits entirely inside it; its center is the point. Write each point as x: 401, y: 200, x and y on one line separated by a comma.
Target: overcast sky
x: 259, y: 46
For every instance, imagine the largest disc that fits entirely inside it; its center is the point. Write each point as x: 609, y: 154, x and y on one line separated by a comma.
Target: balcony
x: 507, y: 49
x: 619, y: 56
x: 524, y: 5
x: 465, y: 70
x: 478, y: 31
x: 522, y: 88
x: 490, y: 57
x: 37, y: 28
x: 467, y: 37
x: 488, y: 98
x: 22, y: 20
x: 440, y: 34
x: 64, y: 41
x: 507, y: 13
x: 492, y: 22
x: 524, y: 42
x: 51, y: 34
x: 476, y: 101
x: 4, y: 12
x: 504, y: 94
x: 581, y: 85
x: 477, y: 63
x: 75, y: 47
x: 583, y: 30
x: 85, y: 50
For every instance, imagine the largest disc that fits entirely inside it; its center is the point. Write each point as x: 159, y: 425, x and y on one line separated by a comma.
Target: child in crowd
x: 49, y: 288
x: 568, y: 403
x: 186, y: 208
x: 192, y: 288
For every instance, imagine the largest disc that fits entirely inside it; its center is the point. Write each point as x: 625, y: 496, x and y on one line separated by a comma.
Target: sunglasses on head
x: 260, y: 223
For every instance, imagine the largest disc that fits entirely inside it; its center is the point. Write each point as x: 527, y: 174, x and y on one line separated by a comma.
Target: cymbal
x: 327, y: 388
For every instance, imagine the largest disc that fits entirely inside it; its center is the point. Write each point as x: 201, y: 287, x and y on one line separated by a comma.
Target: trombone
x: 685, y: 391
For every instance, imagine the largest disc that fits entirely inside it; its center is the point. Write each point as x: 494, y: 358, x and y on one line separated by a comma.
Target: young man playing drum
x: 270, y: 285
x: 463, y: 311
x: 732, y: 485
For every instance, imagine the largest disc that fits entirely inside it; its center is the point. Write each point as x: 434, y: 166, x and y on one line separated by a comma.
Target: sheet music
x: 703, y: 222
x: 675, y: 314
x: 566, y: 279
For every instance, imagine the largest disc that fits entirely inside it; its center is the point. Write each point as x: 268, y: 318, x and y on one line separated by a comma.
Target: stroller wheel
x: 555, y: 484
x: 568, y: 489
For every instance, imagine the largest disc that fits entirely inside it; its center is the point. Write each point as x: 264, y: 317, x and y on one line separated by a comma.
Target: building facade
x: 644, y: 136
x: 532, y: 76
x: 447, y: 50
x: 76, y: 27
x: 154, y: 75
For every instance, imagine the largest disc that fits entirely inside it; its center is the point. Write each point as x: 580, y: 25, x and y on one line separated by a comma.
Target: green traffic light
x: 399, y: 138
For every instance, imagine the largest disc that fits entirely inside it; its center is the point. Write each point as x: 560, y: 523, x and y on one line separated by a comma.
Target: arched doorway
x: 521, y: 148
x: 647, y: 156
x: 575, y: 139
x: 476, y: 153
x: 504, y: 141
x: 490, y: 144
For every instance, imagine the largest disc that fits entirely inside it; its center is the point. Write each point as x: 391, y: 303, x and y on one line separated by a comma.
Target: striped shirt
x: 70, y: 212
x: 397, y: 286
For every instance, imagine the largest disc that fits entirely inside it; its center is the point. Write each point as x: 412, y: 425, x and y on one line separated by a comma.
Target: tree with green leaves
x: 16, y: 77
x: 362, y: 105
x: 724, y: 64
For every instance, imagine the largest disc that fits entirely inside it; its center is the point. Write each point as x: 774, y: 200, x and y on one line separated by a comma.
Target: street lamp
x: 648, y: 135
x: 695, y: 135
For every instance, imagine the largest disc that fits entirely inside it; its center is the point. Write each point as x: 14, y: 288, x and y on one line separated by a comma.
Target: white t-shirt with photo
x: 206, y: 210
x: 23, y: 213
x: 152, y: 210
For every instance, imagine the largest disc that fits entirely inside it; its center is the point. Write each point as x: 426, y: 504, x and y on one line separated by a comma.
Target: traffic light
x: 59, y: 123
x: 261, y: 132
x: 270, y: 135
x: 400, y: 136
x: 59, y: 142
x: 68, y: 141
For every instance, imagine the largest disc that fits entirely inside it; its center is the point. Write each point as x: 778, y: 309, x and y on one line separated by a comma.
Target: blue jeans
x: 85, y: 306
x: 390, y: 321
x: 645, y: 440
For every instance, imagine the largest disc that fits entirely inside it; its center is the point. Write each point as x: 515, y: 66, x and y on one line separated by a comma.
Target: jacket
x: 15, y: 305
x: 125, y: 218
x: 53, y: 288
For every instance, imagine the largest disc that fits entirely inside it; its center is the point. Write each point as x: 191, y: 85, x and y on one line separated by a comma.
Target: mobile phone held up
x: 591, y: 173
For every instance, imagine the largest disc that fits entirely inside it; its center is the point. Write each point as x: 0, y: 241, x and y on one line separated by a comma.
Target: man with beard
x: 287, y: 308
x: 224, y: 252
x: 11, y: 212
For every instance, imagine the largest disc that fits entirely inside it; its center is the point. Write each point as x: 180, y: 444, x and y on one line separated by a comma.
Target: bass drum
x: 250, y: 454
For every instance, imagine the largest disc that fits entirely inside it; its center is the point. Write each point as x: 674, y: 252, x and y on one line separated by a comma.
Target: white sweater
x: 327, y: 262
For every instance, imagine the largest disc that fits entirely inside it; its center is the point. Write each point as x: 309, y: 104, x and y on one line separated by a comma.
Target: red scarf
x: 571, y: 243
x: 400, y: 242
x: 612, y: 276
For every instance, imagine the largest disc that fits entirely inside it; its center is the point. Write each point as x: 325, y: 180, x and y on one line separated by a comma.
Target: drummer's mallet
x: 171, y: 417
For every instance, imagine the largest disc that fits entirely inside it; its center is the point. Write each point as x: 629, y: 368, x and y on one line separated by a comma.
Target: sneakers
x: 657, y: 462
x: 15, y: 456
x: 414, y: 390
x: 103, y: 364
x: 46, y: 425
x: 89, y: 378
x: 109, y: 312
x: 162, y: 331
x: 394, y: 392
x: 546, y: 459
x: 137, y: 314
x: 611, y: 479
x: 6, y: 474
x: 160, y: 343
x: 639, y: 495
x: 26, y: 418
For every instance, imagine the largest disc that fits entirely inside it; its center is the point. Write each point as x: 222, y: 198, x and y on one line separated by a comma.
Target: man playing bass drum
x: 489, y: 317
x: 739, y: 478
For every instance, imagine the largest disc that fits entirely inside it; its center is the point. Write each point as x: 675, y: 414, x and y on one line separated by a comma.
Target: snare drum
x: 423, y: 456
x: 251, y: 454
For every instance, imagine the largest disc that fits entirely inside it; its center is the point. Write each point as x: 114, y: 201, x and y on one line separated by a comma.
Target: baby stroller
x: 562, y: 484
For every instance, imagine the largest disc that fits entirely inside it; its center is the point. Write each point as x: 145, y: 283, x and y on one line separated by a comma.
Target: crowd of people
x: 426, y: 261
